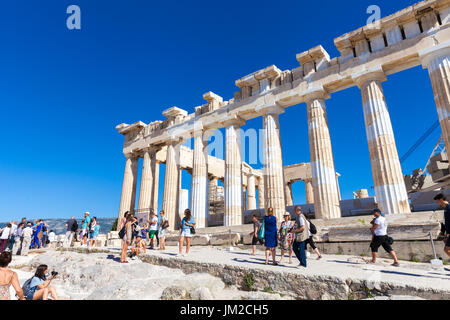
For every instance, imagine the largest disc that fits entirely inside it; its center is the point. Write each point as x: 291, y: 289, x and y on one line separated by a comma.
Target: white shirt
x: 382, y: 226
x: 5, y: 233
x: 154, y: 226
x: 51, y: 237
x: 27, y: 232
x: 13, y: 228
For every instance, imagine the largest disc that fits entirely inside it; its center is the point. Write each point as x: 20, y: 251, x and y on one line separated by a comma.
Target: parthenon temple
x: 416, y: 36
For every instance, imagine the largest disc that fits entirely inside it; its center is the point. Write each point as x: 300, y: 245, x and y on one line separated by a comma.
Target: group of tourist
x: 137, y: 238
x: 90, y: 229
x: 19, y: 238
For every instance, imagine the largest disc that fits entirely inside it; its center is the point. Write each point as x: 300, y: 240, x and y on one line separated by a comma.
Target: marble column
x: 128, y: 197
x: 244, y: 198
x: 309, y: 190
x: 199, y: 182
x: 251, y: 192
x: 288, y: 193
x: 171, y: 185
x: 233, y: 176
x: 146, y: 190
x: 390, y: 189
x: 155, y: 188
x: 326, y: 199
x: 273, y: 163
x: 437, y: 61
x: 261, y: 193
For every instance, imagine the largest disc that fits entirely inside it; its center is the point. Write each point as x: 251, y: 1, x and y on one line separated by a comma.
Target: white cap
x: 87, y: 212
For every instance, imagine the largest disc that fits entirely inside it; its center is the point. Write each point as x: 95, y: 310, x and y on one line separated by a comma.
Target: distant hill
x: 59, y: 225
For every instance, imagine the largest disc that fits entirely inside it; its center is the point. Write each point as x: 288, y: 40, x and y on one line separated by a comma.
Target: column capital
x: 234, y: 120
x: 371, y: 74
x: 151, y: 149
x: 131, y: 155
x: 173, y: 140
x: 316, y: 93
x: 434, y: 52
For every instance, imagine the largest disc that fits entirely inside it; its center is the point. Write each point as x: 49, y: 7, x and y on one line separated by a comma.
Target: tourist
x: 442, y: 201
x: 144, y: 233
x: 8, y: 278
x: 164, y: 224
x: 187, y: 224
x: 85, y: 229
x: 24, y: 221
x: 71, y: 228
x: 153, y: 227
x: 123, y: 220
x: 270, y: 235
x: 13, y: 232
x: 26, y: 243
x: 45, y: 240
x: 380, y: 237
x: 126, y: 238
x: 51, y: 236
x: 311, y: 242
x: 286, y: 236
x: 38, y: 234
x: 301, y: 231
x: 139, y: 245
x: 95, y: 230
x: 254, y: 234
x: 5, y: 236
x: 157, y: 228
x: 40, y: 287
x: 18, y: 238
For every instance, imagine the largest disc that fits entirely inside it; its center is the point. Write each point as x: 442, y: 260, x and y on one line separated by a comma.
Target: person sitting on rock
x: 136, y: 250
x: 40, y: 287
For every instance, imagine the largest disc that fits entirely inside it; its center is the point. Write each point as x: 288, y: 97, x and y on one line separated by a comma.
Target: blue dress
x: 270, y: 232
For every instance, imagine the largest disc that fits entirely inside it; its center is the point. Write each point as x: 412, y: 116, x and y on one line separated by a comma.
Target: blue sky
x: 62, y: 92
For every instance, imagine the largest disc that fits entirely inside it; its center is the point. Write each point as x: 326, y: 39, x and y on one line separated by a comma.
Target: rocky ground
x: 99, y: 276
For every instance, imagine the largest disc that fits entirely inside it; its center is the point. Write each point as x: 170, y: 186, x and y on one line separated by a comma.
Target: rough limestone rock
x: 202, y: 293
x: 224, y: 239
x: 174, y: 293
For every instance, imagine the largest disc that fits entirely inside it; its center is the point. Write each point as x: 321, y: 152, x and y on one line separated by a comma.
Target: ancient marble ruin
x: 416, y: 36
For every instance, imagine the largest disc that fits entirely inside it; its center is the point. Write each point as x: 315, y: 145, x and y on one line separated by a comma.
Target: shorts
x: 30, y: 294
x: 380, y: 241
x: 311, y: 242
x: 84, y: 233
x: 151, y: 234
x: 92, y: 236
x: 186, y: 233
x: 255, y: 241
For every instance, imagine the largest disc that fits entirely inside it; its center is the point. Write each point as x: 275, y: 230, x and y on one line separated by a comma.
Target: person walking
x: 8, y: 278
x: 11, y: 241
x: 187, y: 223
x: 4, y: 237
x: 26, y: 243
x: 153, y: 227
x: 162, y: 230
x: 286, y: 236
x: 18, y: 238
x: 71, y: 228
x: 380, y: 237
x: 442, y: 201
x: 311, y: 242
x: 270, y: 235
x: 254, y: 234
x: 95, y: 230
x: 38, y: 234
x: 301, y: 232
x: 127, y: 237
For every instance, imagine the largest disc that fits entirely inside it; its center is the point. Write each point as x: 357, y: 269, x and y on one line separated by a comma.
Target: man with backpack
x: 301, y: 230
x: 380, y: 237
x: 72, y: 227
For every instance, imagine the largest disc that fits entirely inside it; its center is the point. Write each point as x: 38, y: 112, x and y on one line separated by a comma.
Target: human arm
x: 16, y: 285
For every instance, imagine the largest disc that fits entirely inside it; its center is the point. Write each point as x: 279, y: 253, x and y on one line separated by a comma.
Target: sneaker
x: 395, y: 264
x: 319, y: 257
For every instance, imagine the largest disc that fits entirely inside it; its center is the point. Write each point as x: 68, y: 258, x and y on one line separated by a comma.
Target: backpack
x: 26, y: 287
x: 122, y: 232
x: 312, y: 227
x: 74, y: 226
x: 261, y: 230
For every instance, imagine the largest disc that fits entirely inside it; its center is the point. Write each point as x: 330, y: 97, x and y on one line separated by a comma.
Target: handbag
x: 261, y: 230
x: 192, y: 230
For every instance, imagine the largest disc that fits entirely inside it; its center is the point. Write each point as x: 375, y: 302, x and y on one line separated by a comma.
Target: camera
x: 54, y: 273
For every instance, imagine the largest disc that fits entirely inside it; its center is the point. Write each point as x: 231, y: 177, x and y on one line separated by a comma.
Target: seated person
x: 140, y: 245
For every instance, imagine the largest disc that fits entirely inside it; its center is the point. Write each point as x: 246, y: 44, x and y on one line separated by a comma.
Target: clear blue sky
x: 62, y: 92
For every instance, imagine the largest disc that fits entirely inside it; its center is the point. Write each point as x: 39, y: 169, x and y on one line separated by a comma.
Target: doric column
x: 199, y: 181
x: 251, y: 192
x: 155, y: 188
x: 326, y: 199
x: 390, y: 190
x: 309, y: 190
x: 437, y: 61
x: 171, y: 185
x: 244, y: 198
x: 261, y: 204
x: 146, y: 190
x: 273, y: 162
x: 288, y: 193
x: 233, y: 174
x: 128, y: 197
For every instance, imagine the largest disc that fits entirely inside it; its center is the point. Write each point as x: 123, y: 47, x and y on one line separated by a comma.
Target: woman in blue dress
x: 38, y: 234
x: 270, y: 235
